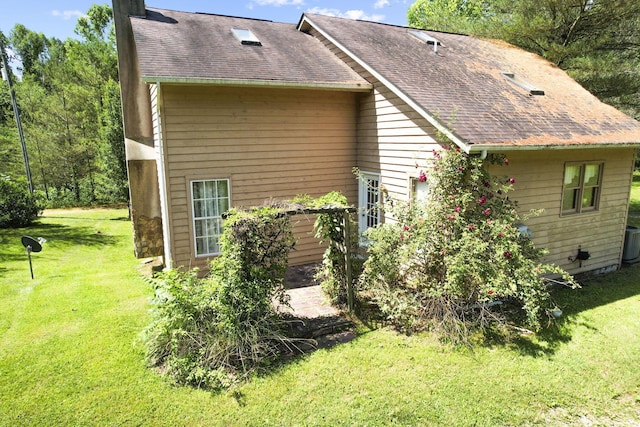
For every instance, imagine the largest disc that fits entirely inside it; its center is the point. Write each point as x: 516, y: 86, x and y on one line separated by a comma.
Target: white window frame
x: 214, y: 215
x: 419, y: 191
x: 368, y: 202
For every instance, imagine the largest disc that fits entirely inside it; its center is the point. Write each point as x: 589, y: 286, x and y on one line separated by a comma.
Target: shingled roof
x: 461, y: 89
x: 181, y: 46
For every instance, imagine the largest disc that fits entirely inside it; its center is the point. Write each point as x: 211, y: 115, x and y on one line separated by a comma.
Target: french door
x: 368, y: 201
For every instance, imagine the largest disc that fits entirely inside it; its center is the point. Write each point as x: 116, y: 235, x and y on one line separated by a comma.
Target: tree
x: 70, y: 105
x: 458, y: 16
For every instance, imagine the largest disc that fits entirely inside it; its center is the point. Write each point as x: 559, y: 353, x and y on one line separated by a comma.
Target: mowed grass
x: 70, y: 355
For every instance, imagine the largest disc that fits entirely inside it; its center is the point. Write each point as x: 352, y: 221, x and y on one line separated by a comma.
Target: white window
x: 581, y: 187
x: 210, y: 199
x: 419, y: 190
x: 369, y: 201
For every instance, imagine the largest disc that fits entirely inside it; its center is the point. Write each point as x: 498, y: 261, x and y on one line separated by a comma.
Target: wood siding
x: 270, y: 143
x: 539, y: 177
x: 392, y: 137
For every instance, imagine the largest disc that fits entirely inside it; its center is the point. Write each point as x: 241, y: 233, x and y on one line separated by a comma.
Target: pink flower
x: 508, y: 254
x: 490, y: 292
x: 405, y: 227
x: 472, y: 227
x: 482, y: 200
x: 451, y: 217
x: 456, y: 209
x: 487, y: 211
x: 422, y: 177
x: 511, y: 180
x: 460, y: 168
x: 501, y: 234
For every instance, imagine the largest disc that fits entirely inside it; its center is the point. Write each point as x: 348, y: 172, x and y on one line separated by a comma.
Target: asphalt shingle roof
x: 463, y: 88
x: 185, y: 45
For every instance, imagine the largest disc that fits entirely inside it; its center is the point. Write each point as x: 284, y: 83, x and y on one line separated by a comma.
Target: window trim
x: 363, y: 200
x: 579, y: 209
x: 193, y: 218
x: 414, y: 182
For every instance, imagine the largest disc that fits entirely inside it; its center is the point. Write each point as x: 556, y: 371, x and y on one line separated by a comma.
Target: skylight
x: 425, y: 37
x: 246, y: 37
x: 520, y: 82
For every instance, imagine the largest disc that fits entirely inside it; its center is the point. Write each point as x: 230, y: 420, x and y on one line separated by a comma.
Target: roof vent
x: 520, y: 82
x: 246, y: 37
x: 426, y: 38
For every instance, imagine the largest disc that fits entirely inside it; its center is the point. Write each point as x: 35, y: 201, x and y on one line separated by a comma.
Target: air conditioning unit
x: 631, y: 243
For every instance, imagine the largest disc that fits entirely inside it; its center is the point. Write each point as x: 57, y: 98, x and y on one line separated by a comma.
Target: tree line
x: 69, y: 101
x: 69, y: 97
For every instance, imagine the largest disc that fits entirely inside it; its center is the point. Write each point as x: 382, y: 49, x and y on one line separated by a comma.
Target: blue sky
x: 57, y: 18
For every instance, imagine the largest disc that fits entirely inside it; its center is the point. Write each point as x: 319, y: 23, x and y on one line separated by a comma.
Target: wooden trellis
x: 345, y: 246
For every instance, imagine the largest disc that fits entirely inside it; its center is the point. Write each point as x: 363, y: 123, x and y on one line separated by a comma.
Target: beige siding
x: 392, y: 137
x: 539, y: 177
x: 270, y: 143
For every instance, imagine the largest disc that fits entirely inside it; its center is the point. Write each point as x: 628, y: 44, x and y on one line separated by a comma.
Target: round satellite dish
x: 31, y: 242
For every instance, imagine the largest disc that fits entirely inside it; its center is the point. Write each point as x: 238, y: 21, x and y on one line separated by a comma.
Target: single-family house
x: 225, y: 111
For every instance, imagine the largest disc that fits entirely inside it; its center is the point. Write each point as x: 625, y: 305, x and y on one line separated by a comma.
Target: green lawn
x: 69, y: 355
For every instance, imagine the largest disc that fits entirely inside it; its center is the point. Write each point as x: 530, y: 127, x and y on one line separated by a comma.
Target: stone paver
x: 309, y: 302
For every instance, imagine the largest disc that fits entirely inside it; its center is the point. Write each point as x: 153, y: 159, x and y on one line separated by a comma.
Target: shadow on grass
x: 11, y: 248
x: 596, y: 291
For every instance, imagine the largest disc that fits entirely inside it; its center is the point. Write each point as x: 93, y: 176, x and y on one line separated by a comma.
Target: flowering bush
x: 448, y: 262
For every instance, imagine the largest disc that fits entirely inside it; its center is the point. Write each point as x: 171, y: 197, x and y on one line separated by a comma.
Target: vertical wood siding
x: 271, y: 143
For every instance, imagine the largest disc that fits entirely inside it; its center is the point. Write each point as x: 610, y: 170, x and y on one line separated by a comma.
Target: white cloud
x: 380, y: 4
x: 279, y: 3
x: 67, y: 14
x: 350, y: 14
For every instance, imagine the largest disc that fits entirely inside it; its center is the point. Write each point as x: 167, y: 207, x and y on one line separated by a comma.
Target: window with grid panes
x: 581, y: 187
x: 210, y: 199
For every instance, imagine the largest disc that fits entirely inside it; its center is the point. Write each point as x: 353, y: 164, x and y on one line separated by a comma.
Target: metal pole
x: 6, y: 73
x: 30, y: 265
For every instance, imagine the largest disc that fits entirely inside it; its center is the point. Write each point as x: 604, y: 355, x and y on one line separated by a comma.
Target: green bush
x: 450, y: 263
x: 18, y: 207
x: 213, y: 332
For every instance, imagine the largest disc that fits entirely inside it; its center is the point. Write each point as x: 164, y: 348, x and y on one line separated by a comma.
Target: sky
x: 57, y: 18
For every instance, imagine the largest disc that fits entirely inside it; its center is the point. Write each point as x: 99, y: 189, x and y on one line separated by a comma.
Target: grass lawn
x: 69, y: 354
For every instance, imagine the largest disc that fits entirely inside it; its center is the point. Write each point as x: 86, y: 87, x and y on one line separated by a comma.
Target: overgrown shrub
x: 450, y: 262
x: 215, y: 331
x: 18, y: 207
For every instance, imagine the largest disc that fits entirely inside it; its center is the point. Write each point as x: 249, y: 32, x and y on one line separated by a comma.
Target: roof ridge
x: 388, y: 25
x: 210, y: 14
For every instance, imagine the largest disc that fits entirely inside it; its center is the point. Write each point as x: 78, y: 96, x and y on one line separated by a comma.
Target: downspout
x: 483, y: 154
x: 162, y: 183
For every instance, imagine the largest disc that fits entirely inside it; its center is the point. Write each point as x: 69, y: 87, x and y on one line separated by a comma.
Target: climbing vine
x: 215, y: 331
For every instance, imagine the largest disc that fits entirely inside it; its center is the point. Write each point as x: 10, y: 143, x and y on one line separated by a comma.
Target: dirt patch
x: 301, y: 276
